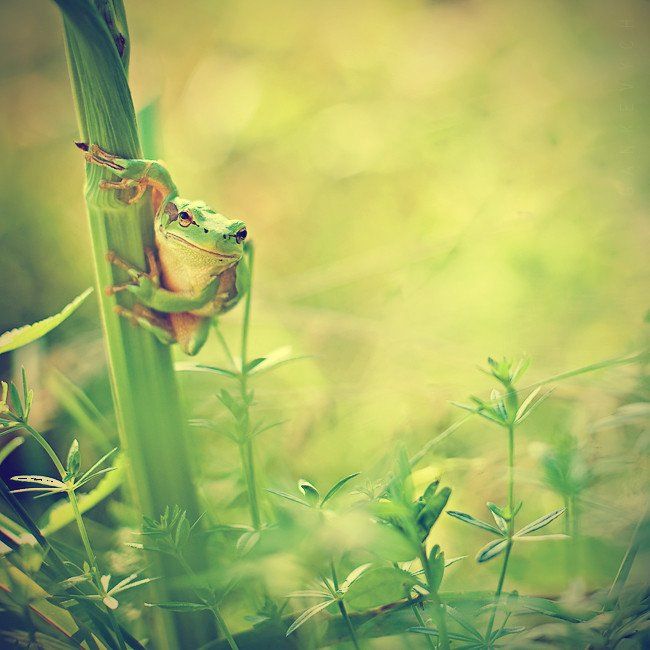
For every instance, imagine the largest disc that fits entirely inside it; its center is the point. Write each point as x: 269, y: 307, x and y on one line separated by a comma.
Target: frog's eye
x: 241, y: 235
x: 171, y: 211
x: 185, y: 219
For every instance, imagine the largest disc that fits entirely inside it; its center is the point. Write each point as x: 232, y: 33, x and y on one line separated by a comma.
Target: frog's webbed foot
x: 132, y: 173
x: 95, y: 155
x: 143, y: 285
x: 158, y: 325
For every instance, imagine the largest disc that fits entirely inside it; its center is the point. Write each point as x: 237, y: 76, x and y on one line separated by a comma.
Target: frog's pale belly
x: 189, y: 270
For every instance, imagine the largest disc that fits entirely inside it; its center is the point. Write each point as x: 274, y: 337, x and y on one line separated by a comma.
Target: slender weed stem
x: 246, y: 450
x: 342, y: 608
x: 213, y: 607
x: 416, y: 612
x: 81, y: 526
x: 438, y: 607
x: 511, y: 524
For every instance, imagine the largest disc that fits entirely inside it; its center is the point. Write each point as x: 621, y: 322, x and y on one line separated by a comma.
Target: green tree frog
x: 198, y: 269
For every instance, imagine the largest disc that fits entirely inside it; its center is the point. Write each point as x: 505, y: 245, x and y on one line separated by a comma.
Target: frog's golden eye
x: 241, y: 235
x: 185, y: 219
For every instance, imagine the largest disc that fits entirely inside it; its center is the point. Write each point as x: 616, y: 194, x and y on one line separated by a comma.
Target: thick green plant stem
x: 145, y: 393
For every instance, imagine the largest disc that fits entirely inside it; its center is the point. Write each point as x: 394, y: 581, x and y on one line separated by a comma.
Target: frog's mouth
x: 203, y: 250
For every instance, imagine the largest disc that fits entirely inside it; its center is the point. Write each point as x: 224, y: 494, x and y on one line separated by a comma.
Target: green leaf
x: 190, y: 366
x: 378, y: 586
x: 436, y: 562
x: 337, y: 486
x: 312, y: 495
x: 354, y: 575
x: 289, y: 497
x: 21, y: 336
x: 543, y: 538
x: 247, y: 541
x: 182, y: 533
x: 307, y: 614
x: 472, y: 521
x: 434, y: 504
x: 527, y: 408
x: 16, y: 402
x: 507, y: 631
x: 540, y: 523
x: 273, y: 360
x: 61, y: 514
x: 430, y: 631
x: 179, y: 606
x: 12, y: 445
x: 499, y: 517
x: 254, y: 363
x: 464, y: 623
x: 552, y: 609
x: 73, y: 462
x: 492, y: 549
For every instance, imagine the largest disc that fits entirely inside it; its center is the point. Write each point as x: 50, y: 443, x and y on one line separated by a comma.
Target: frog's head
x: 195, y: 225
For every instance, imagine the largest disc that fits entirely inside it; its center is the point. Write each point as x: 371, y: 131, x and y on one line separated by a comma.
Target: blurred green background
x: 426, y: 183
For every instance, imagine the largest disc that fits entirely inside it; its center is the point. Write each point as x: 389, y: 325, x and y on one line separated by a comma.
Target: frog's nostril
x: 205, y: 230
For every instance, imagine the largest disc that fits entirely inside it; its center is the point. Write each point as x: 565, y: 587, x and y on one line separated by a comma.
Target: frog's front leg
x: 147, y: 289
x: 133, y: 173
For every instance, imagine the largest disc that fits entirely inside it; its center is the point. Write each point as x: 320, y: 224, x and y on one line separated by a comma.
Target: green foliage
x: 16, y: 338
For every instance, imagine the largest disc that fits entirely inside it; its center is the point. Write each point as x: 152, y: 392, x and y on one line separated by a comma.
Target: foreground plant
x: 244, y: 428
x: 170, y: 536
x: 413, y: 520
x: 15, y: 417
x: 504, y: 410
x: 328, y: 587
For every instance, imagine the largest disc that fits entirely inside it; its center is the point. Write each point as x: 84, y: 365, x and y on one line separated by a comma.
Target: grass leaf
x: 21, y: 336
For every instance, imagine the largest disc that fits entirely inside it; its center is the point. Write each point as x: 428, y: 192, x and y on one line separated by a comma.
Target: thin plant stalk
x: 81, y: 526
x: 214, y: 608
x: 511, y: 517
x: 246, y: 450
x: 416, y: 612
x: 438, y: 607
x: 626, y: 563
x: 342, y: 608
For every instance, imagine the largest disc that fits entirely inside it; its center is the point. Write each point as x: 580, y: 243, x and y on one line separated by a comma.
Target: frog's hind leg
x: 158, y: 325
x: 190, y: 331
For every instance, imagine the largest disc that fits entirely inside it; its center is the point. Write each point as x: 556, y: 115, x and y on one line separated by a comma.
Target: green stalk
x: 419, y: 619
x: 626, y: 563
x: 342, y: 608
x: 248, y: 460
x: 92, y: 560
x: 416, y: 612
x: 438, y: 607
x: 145, y: 393
x: 83, y: 533
x: 511, y: 522
x: 246, y: 451
x: 46, y: 447
x: 214, y: 608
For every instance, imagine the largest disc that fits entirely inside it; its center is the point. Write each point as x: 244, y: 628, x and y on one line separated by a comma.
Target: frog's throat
x: 184, y: 242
